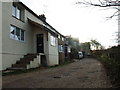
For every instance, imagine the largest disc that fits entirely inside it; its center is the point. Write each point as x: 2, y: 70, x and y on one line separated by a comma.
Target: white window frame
x: 15, y: 12
x: 14, y: 36
x: 52, y: 40
x: 60, y: 48
x: 18, y: 13
x: 63, y: 39
x: 69, y: 49
x: 59, y: 36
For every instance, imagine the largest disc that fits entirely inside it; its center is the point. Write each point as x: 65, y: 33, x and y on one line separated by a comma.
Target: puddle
x: 57, y: 77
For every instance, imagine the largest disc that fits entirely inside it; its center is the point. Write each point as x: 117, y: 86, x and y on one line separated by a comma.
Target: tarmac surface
x: 84, y: 73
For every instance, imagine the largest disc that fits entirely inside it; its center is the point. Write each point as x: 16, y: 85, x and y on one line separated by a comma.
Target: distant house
x: 28, y: 41
x: 67, y: 49
x: 73, y: 42
x: 72, y: 47
x: 61, y: 48
x: 85, y: 47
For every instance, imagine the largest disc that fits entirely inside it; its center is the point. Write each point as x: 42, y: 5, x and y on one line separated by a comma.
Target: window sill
x: 18, y: 19
x: 53, y: 45
x: 61, y: 52
x: 17, y: 40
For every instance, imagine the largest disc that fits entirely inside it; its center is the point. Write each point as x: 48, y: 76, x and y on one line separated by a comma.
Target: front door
x: 40, y: 43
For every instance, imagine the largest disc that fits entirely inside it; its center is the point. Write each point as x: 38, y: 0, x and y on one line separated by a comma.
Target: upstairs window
x: 14, y: 11
x: 17, y: 33
x: 17, y: 12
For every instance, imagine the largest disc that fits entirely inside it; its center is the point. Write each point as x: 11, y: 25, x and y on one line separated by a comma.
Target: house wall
x: 61, y: 54
x: 0, y: 36
x: 61, y: 57
x: 53, y: 52
x: 45, y: 34
x: 13, y: 50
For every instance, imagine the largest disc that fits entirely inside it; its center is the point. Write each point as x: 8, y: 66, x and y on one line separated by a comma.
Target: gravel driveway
x: 85, y: 73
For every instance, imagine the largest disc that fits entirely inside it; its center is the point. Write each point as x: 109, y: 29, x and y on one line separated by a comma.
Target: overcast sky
x: 81, y: 22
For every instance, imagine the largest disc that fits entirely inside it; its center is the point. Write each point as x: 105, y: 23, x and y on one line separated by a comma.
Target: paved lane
x: 85, y: 73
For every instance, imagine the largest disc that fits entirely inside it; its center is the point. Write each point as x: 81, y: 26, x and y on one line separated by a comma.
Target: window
x: 17, y: 33
x: 53, y: 40
x: 75, y: 44
x: 59, y: 36
x: 13, y: 10
x: 60, y: 47
x: 62, y: 38
x: 12, y: 32
x: 69, y: 49
x: 22, y: 35
x: 16, y: 12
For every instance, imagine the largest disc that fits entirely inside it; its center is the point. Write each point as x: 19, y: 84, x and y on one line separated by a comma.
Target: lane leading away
x: 85, y: 73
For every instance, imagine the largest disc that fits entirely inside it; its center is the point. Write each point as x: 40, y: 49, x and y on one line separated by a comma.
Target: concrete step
x: 19, y: 65
x: 22, y: 64
x: 25, y: 61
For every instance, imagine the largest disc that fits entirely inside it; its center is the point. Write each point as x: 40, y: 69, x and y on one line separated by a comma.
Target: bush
x: 113, y: 68
x: 74, y: 53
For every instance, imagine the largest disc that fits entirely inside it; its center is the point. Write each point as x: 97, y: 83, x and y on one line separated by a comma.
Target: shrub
x: 113, y: 68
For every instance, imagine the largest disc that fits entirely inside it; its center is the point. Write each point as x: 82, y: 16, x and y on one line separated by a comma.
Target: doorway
x: 40, y: 43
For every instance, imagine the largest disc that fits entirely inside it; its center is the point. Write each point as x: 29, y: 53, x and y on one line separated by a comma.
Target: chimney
x: 42, y: 17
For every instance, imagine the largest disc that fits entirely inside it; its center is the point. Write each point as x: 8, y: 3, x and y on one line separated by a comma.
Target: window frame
x: 15, y: 14
x: 13, y: 10
x: 52, y: 40
x: 69, y: 49
x: 63, y: 39
x: 12, y: 35
x: 60, y: 48
x: 59, y: 36
x: 18, y: 13
x: 15, y: 36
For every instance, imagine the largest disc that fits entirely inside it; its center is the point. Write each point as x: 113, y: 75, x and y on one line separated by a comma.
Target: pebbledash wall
x: 12, y: 50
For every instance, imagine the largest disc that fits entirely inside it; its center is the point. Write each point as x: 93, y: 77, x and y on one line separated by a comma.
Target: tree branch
x: 105, y: 3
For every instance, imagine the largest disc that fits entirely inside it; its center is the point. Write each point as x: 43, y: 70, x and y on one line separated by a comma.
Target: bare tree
x: 108, y: 4
x: 101, y: 3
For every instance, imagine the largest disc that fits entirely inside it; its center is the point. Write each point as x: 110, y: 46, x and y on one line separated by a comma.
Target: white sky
x: 81, y: 22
